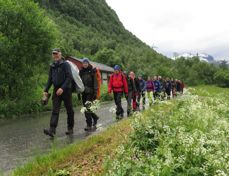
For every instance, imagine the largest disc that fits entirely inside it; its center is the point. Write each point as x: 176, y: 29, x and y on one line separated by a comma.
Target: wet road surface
x: 22, y: 139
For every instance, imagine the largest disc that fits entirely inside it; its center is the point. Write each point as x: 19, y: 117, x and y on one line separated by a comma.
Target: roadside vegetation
x: 184, y: 136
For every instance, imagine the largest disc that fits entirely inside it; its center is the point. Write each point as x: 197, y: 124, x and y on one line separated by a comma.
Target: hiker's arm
x: 49, y: 82
x: 95, y: 86
x: 144, y: 88
x: 110, y: 84
x: 68, y: 75
x: 125, y: 86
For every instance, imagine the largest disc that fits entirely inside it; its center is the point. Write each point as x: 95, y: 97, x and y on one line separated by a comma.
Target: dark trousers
x: 56, y: 103
x: 89, y: 115
x: 134, y: 103
x: 168, y: 92
x: 129, y: 100
x: 118, y: 103
x: 156, y: 95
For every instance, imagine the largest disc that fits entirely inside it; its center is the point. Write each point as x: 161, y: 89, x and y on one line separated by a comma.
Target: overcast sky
x: 178, y: 25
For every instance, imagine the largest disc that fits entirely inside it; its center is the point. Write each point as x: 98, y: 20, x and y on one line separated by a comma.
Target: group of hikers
x: 120, y: 83
x: 137, y: 89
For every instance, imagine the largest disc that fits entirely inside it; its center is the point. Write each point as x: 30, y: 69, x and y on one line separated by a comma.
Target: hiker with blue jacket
x: 142, y: 86
x: 60, y: 77
x: 168, y: 87
x: 157, y: 87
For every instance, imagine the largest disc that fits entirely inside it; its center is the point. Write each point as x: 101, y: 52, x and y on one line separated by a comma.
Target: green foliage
x: 185, y: 137
x: 222, y: 77
x: 26, y: 37
x: 193, y: 71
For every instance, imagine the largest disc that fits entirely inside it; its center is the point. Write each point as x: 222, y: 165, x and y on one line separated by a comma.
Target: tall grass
x: 189, y: 139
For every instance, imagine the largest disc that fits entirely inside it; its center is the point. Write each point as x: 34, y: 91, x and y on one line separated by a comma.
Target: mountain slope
x: 91, y: 28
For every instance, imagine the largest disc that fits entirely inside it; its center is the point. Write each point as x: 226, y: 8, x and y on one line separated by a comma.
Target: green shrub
x: 188, y: 139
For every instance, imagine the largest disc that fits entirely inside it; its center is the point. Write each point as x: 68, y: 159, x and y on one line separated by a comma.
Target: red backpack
x: 99, y: 80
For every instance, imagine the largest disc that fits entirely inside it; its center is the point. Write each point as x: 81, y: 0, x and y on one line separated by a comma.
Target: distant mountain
x: 202, y: 56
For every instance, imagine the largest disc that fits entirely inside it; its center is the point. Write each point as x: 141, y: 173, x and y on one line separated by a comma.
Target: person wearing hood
x: 60, y: 77
x: 88, y: 76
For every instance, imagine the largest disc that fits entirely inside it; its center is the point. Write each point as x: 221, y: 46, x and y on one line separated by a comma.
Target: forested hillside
x: 91, y: 28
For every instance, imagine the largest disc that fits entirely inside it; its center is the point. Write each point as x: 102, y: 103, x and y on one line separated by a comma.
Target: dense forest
x: 82, y: 28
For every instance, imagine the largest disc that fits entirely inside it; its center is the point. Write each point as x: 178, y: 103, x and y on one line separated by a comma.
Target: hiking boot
x: 88, y: 128
x: 95, y: 121
x: 69, y: 132
x: 50, y: 132
x: 94, y: 127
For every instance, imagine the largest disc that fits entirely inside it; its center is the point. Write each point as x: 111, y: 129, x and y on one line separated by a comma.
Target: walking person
x: 88, y: 76
x: 142, y: 85
x: 162, y: 87
x: 168, y: 88
x: 157, y: 87
x: 136, y: 91
x: 131, y: 90
x: 118, y: 85
x: 173, y: 82
x: 182, y: 87
x: 150, y: 90
x: 61, y: 78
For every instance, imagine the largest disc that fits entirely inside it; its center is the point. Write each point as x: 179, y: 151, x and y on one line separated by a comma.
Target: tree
x: 26, y: 38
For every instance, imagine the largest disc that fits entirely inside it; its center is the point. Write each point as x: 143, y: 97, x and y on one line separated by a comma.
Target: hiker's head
x: 132, y: 75
x: 117, y: 68
x: 56, y: 54
x: 85, y: 62
x: 149, y: 78
x: 140, y: 77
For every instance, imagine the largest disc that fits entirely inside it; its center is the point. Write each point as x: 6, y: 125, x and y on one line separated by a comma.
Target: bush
x: 186, y: 137
x: 26, y: 38
x: 221, y: 77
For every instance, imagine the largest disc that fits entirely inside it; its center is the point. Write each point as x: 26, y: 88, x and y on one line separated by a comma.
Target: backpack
x: 99, y: 81
x: 78, y: 85
x: 123, y: 77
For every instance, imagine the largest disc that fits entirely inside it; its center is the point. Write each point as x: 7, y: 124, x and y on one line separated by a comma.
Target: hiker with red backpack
x: 118, y: 85
x: 88, y: 76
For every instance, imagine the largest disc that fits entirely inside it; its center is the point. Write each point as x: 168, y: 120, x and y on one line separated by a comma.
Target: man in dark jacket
x: 157, y: 86
x: 142, y: 86
x: 61, y: 78
x: 88, y: 76
x: 131, y: 91
x: 168, y: 88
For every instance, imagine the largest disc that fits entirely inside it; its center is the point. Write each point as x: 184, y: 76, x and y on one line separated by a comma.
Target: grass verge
x: 85, y: 158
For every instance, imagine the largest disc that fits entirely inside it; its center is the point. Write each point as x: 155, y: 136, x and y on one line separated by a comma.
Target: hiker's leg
x: 67, y: 97
x: 87, y: 113
x: 56, y: 103
x: 120, y: 110
x: 129, y: 98
x: 134, y: 102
